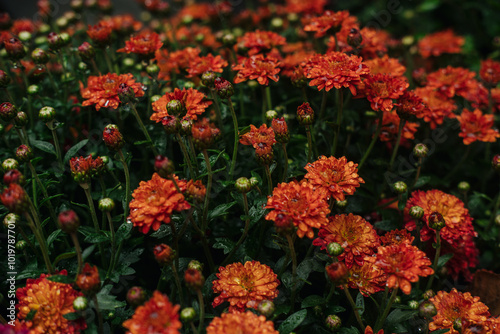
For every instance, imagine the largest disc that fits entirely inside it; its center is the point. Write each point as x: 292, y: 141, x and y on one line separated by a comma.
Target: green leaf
x: 95, y: 238
x: 123, y: 233
x: 107, y: 301
x: 49, y: 198
x: 87, y: 251
x: 63, y: 256
x: 360, y: 303
x: 423, y: 180
x: 73, y: 150
x: 398, y: 316
x: 53, y: 236
x: 44, y: 146
x: 402, y: 201
x: 72, y: 316
x: 292, y: 322
x: 61, y: 279
x: 141, y: 142
x: 387, y: 225
x: 443, y: 259
x: 220, y: 210
x: 224, y: 243
x: 312, y: 300
x: 350, y: 330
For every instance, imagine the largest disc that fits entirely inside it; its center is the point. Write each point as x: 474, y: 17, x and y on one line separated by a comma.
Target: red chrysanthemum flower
x: 244, y: 285
x: 124, y: 24
x: 455, y: 306
x: 143, y: 44
x: 259, y: 40
x: 158, y: 315
x: 390, y: 128
x: 256, y: 136
x: 403, y: 264
x: 192, y: 104
x: 200, y: 65
x: 438, y: 107
x: 476, y: 126
x: 300, y: 205
x: 457, y: 236
x: 103, y: 91
x: 100, y: 33
x: 14, y: 198
x: 204, y: 133
x: 367, y: 278
x: 329, y: 20
x: 21, y: 25
x: 244, y: 323
x: 49, y: 301
x: 490, y: 72
x: 258, y: 68
x: 174, y: 61
x: 84, y: 168
x: 291, y: 62
x: 409, y: 104
x: 335, y: 70
x: 395, y: 237
x: 337, y: 176
x: 385, y: 65
x: 439, y: 43
x: 374, y: 42
x: 381, y: 89
x: 451, y: 81
x: 353, y: 233
x: 305, y: 7
x: 154, y: 202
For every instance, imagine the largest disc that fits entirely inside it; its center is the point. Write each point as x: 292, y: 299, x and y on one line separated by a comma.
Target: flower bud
x: 420, y: 150
x: 354, y: 38
x: 337, y: 272
x: 82, y: 66
x: 152, y: 70
x: 416, y: 212
x: 14, y: 198
x: 106, y: 204
x: 21, y: 245
x: 280, y: 130
x: 7, y: 111
x: 33, y: 89
x: 68, y: 221
x: 164, y: 166
x: 254, y: 182
x: 264, y: 154
x: 11, y: 220
x: 55, y: 41
x: 495, y: 163
x: 243, y: 185
x: 88, y: 280
x: 5, y: 21
x: 15, y: 48
x: 341, y: 204
x: 86, y: 51
x: 277, y: 23
x: 208, y: 79
x: 334, y: 249
x: 21, y: 119
x: 428, y: 294
x: 333, y: 322
x: 4, y: 79
x: 2, y: 129
x: 136, y: 296
x: 112, y: 137
x: 80, y: 303
x: 266, y: 308
x: 203, y: 135
x: 224, y: 88
x: 13, y: 176
x: 497, y: 220
x: 400, y: 187
x: 164, y: 255
x: 305, y: 114
x: 188, y: 314
x: 194, y: 279
x: 271, y: 114
x: 195, y: 191
x: 39, y: 56
x: 47, y: 114
x: 171, y: 124
x: 464, y: 186
x: 176, y: 108
x: 125, y: 93
x: 228, y: 39
x: 427, y: 309
x: 186, y: 126
x: 457, y: 325
x: 397, y: 300
x: 195, y: 264
x: 436, y: 221
x: 24, y: 153
x: 413, y: 304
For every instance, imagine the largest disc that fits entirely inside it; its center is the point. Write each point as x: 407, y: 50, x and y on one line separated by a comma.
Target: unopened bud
x: 334, y: 249
x: 337, y: 272
x: 333, y: 322
x: 11, y: 220
x: 495, y: 163
x: 39, y: 56
x: 21, y: 119
x: 436, y: 221
x: 106, y: 204
x: 24, y: 153
x: 194, y: 279
x: 224, y: 88
x: 464, y: 186
x: 254, y: 182
x: 420, y: 150
x: 413, y: 304
x: 33, y: 89
x: 7, y: 111
x: 243, y: 185
x: 271, y: 114
x: 427, y: 309
x: 21, y: 245
x: 266, y: 308
x: 68, y: 221
x: 416, y: 212
x: 164, y: 255
x: 195, y: 264
x: 428, y: 294
x: 188, y: 314
x: 400, y: 187
x: 354, y: 38
x: 80, y: 303
x: 152, y: 70
x: 305, y: 114
x: 112, y: 137
x: 13, y: 176
x: 208, y: 79
x: 164, y: 166
x: 136, y: 296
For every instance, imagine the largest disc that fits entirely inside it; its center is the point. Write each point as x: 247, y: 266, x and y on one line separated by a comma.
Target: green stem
x: 209, y: 188
x: 86, y: 189
x: 354, y: 308
x: 380, y: 321
x: 339, y: 120
x: 285, y: 157
x: 373, y: 141
x: 436, y: 259
x: 459, y: 164
x: 245, y: 232
x: 419, y: 169
x: 108, y: 60
x: 56, y: 144
x: 217, y: 109
x: 293, y: 255
x: 236, y: 139
x: 112, y: 230
x: 191, y: 146
x: 187, y: 158
x: 268, y: 98
x: 323, y: 105
x: 269, y: 180
x: 201, y: 303
x: 309, y: 143
x: 127, y: 183
x: 143, y: 128
x: 330, y: 294
x: 78, y: 250
x: 177, y: 281
x: 41, y: 243
x: 99, y: 315
x: 204, y: 243
x: 44, y: 192
x: 402, y: 123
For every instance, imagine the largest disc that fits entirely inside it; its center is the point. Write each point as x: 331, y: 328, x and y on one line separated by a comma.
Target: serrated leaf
x: 60, y: 279
x: 95, y: 238
x: 44, y: 146
x: 398, y: 316
x: 73, y: 150
x: 224, y: 244
x: 123, y: 232
x: 50, y: 198
x: 423, y: 180
x: 312, y: 300
x: 360, y: 303
x: 292, y: 322
x: 107, y: 301
x: 220, y: 210
x: 443, y: 259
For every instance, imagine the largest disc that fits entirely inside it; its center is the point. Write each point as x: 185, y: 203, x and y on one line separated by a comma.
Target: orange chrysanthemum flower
x: 175, y: 61
x: 124, y: 24
x: 409, y: 104
x: 193, y: 103
x: 100, y: 33
x: 451, y: 81
x: 256, y: 136
x: 338, y: 176
x: 305, y: 7
x: 438, y: 106
x: 258, y: 68
x: 300, y: 205
x: 158, y: 315
x: 244, y: 285
x: 353, y: 233
x: 457, y: 236
x: 49, y: 301
x: 476, y: 126
x: 201, y: 65
x: 374, y: 42
x: 154, y: 202
x: 381, y: 89
x: 440, y: 42
x: 456, y: 306
x: 144, y: 44
x: 369, y: 330
x: 244, y: 323
x: 259, y: 40
x: 385, y: 65
x: 403, y: 264
x: 321, y: 24
x: 335, y: 70
x: 490, y: 72
x: 103, y: 91
x: 294, y: 60
x: 390, y: 127
x: 396, y: 237
x: 367, y: 278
